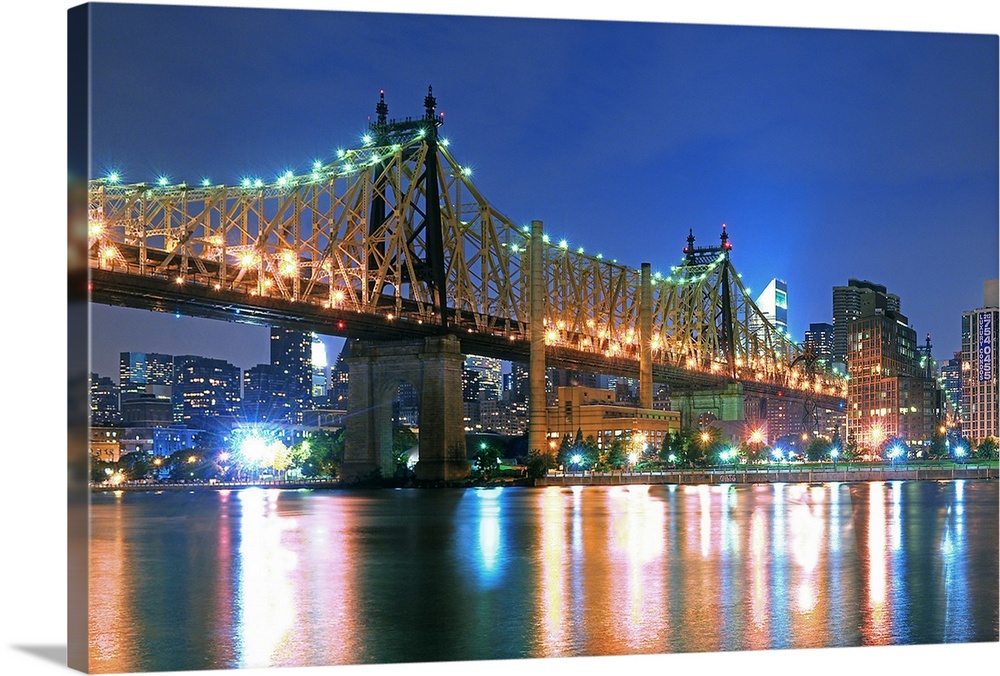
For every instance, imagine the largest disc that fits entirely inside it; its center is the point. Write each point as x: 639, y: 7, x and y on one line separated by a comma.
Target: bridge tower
x: 433, y: 366
x: 724, y: 402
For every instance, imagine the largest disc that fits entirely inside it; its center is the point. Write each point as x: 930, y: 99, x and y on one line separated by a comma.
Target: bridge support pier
x: 725, y: 403
x: 433, y: 367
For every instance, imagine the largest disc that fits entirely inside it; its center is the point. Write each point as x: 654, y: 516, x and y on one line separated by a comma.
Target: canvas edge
x: 78, y: 336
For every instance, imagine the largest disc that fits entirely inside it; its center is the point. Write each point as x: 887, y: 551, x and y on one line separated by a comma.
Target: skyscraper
x: 980, y: 372
x: 889, y: 394
x: 104, y: 408
x: 320, y: 368
x: 265, y: 394
x: 206, y: 392
x: 819, y: 337
x: 773, y: 303
x: 847, y: 308
x: 951, y: 378
x: 144, y: 373
x: 339, y: 379
x: 291, y: 351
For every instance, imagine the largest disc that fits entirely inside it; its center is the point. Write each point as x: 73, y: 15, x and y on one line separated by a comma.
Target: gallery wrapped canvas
x: 426, y: 339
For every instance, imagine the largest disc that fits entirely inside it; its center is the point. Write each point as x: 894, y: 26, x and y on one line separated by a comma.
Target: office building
x: 819, y: 338
x: 594, y: 412
x: 104, y: 410
x: 890, y: 394
x: 206, y: 393
x: 337, y: 395
x: 773, y: 304
x: 266, y: 390
x: 847, y: 308
x: 980, y: 400
x: 291, y: 351
x: 145, y: 373
x: 320, y: 370
x: 951, y: 382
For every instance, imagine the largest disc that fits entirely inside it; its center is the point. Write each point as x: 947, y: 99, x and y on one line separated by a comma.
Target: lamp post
x: 960, y: 453
x: 833, y: 456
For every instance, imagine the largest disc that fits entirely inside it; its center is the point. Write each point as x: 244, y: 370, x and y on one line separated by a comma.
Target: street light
x: 833, y: 456
x: 960, y: 453
x: 576, y: 460
x: 894, y: 453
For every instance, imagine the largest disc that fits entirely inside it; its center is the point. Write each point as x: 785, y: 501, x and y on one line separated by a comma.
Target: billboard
x: 985, y: 332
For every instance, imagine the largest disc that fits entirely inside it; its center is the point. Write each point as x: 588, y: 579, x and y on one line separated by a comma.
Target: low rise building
x: 594, y: 412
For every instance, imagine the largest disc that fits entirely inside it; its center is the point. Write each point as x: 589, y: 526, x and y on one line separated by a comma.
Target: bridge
x: 391, y: 244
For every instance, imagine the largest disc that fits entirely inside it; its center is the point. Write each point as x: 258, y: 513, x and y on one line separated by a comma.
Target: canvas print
x: 418, y: 338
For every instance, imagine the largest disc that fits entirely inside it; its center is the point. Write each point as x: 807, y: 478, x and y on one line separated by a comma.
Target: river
x: 255, y: 577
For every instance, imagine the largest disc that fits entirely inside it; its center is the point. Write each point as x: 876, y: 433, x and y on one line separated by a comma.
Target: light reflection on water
x: 256, y: 578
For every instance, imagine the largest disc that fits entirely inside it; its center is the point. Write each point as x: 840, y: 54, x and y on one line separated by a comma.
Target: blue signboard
x: 985, y: 347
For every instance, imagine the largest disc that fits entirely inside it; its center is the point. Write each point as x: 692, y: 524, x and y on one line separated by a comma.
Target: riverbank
x: 681, y: 477
x: 756, y: 476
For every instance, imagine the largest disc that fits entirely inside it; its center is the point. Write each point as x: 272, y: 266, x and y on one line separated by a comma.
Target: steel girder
x: 311, y: 238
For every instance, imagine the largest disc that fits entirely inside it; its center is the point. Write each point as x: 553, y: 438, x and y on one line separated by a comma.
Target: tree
x: 987, y: 449
x: 134, y: 466
x: 487, y: 460
x: 939, y: 445
x: 539, y: 463
x: 818, y: 449
x: 326, y: 454
x: 614, y: 456
x: 675, y: 444
x: 101, y: 470
x: 566, y: 451
x: 704, y: 446
x: 403, y: 439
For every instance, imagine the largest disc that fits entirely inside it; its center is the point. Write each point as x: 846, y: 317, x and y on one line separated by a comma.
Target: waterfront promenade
x: 714, y: 475
x: 770, y: 474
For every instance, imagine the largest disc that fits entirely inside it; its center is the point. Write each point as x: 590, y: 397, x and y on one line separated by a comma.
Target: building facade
x: 980, y: 382
x: 104, y: 402
x: 291, y: 351
x: 206, y: 393
x: 847, y: 308
x: 773, y: 304
x: 595, y: 412
x: 951, y: 383
x: 145, y: 373
x: 819, y: 338
x: 890, y: 395
x: 266, y: 394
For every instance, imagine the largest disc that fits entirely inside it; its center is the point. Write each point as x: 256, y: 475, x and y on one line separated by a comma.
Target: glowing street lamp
x: 877, y: 435
x: 960, y: 452
x: 778, y: 454
x: 894, y: 453
x: 834, y: 452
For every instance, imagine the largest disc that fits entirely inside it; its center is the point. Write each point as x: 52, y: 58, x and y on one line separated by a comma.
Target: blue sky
x: 829, y: 153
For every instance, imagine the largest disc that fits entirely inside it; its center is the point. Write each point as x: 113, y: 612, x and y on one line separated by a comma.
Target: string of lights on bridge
x: 350, y: 162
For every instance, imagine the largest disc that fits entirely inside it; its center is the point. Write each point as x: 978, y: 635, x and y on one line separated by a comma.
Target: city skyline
x: 876, y: 148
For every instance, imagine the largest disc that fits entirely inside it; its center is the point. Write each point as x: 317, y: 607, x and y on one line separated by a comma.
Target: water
x: 254, y: 578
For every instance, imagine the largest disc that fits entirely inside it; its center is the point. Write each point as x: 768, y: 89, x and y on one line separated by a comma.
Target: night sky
x: 830, y: 154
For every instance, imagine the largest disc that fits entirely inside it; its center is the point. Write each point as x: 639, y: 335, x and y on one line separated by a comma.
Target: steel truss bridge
x: 393, y: 240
